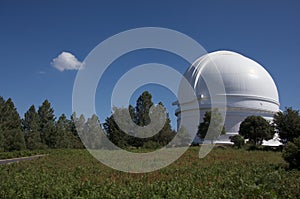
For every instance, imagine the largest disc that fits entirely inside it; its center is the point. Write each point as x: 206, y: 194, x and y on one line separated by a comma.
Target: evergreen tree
x: 80, y: 123
x: 291, y: 153
x: 64, y: 138
x: 115, y: 134
x: 183, y: 138
x: 79, y: 128
x: 10, y: 128
x: 141, y: 116
x: 47, y: 124
x: 287, y: 124
x: 76, y: 139
x: 30, y: 125
x: 73, y: 120
x: 1, y: 142
x: 132, y: 113
x: 143, y: 104
x: 2, y: 106
x: 93, y: 133
x: 121, y: 138
x: 215, y: 123
x: 165, y: 135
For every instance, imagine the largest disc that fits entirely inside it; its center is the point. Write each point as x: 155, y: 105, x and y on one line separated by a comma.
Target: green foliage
x: 47, y: 124
x: 182, y: 138
x: 287, y: 124
x: 238, y: 141
x: 11, y: 137
x: 291, y: 153
x: 64, y: 138
x: 114, y: 133
x: 1, y: 142
x: 30, y: 125
x: 143, y: 105
x: 38, y: 130
x: 151, y: 145
x: 140, y: 115
x: 93, y: 133
x: 221, y: 174
x: 165, y: 135
x: 76, y: 126
x: 256, y: 129
x: 215, y: 124
x: 17, y: 140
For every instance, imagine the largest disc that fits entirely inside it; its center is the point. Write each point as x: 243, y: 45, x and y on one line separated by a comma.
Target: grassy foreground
x: 224, y: 173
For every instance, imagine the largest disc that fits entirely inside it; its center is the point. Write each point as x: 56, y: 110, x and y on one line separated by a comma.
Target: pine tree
x: 182, y: 138
x: 30, y: 125
x: 140, y: 115
x: 143, y: 104
x: 93, y: 133
x: 64, y: 137
x: 142, y: 118
x: 2, y: 106
x: 78, y: 128
x: 73, y: 120
x: 215, y: 123
x: 76, y: 139
x: 11, y: 127
x: 80, y: 123
x: 132, y: 113
x: 115, y: 134
x: 47, y: 124
x: 165, y: 135
x: 1, y: 142
x: 287, y: 124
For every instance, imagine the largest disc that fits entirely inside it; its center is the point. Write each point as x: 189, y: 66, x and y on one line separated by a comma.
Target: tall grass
x: 224, y: 173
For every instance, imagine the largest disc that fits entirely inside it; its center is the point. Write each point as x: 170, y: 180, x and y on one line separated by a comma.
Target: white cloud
x: 66, y: 61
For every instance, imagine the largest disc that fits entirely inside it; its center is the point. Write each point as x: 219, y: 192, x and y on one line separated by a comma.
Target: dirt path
x: 13, y: 160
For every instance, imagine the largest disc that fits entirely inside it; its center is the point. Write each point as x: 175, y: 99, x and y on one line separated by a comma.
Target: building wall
x: 235, y: 112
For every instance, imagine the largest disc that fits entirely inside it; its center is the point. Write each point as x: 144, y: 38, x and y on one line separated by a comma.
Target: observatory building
x: 248, y: 89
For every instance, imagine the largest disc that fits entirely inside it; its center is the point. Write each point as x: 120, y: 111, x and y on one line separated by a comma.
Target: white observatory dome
x: 248, y: 88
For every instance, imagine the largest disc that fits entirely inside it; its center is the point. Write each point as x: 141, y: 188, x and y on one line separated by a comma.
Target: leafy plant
x: 256, y: 129
x: 291, y: 153
x: 237, y: 140
x: 222, y: 173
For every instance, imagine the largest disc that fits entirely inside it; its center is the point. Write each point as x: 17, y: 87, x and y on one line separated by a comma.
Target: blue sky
x: 33, y: 33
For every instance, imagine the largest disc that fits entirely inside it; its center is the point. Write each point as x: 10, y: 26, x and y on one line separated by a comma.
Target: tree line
x: 39, y: 128
x: 140, y: 115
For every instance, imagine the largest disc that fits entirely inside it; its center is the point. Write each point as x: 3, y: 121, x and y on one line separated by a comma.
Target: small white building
x: 248, y: 90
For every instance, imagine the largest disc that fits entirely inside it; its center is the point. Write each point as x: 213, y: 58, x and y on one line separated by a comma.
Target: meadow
x: 224, y: 173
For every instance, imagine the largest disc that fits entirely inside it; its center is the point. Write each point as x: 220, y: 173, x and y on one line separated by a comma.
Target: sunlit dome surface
x: 241, y: 77
x: 248, y: 88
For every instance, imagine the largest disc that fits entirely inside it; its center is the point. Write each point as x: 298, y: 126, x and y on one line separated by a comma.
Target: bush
x: 238, y: 141
x: 151, y: 145
x: 291, y: 153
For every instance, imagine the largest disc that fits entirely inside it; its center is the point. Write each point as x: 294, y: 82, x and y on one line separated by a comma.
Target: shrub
x: 291, y: 153
x: 151, y: 145
x: 238, y: 141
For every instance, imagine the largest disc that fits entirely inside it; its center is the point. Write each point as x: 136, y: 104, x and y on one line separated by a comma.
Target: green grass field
x: 224, y: 173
